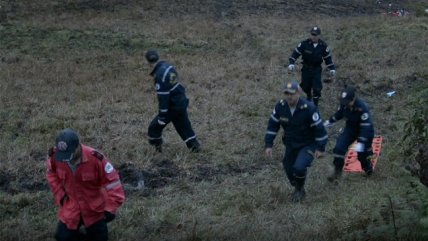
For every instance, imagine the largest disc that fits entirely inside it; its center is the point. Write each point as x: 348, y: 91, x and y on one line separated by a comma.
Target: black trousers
x: 311, y: 83
x: 96, y: 232
x: 181, y: 122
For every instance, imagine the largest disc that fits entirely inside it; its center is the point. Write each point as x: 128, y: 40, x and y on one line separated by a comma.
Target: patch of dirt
x: 10, y: 184
x: 159, y: 174
x: 165, y: 172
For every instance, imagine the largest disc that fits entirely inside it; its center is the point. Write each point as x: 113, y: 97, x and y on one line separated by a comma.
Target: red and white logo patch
x: 62, y: 146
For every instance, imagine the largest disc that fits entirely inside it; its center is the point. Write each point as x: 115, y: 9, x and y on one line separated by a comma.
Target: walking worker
x: 86, y: 187
x: 304, y: 136
x: 359, y: 127
x: 172, y: 102
x: 313, y: 51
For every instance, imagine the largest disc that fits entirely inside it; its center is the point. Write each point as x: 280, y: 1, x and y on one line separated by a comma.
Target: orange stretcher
x: 351, y: 160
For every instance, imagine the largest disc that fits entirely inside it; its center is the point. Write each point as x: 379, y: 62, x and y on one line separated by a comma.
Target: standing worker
x: 359, y: 127
x: 313, y: 51
x: 85, y: 186
x: 173, y: 104
x: 304, y: 136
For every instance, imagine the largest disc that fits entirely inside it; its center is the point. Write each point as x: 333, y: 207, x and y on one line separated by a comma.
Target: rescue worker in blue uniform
x: 313, y: 51
x: 359, y: 127
x: 172, y: 102
x: 304, y: 136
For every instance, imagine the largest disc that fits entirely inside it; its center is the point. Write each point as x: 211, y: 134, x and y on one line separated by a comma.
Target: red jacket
x: 95, y: 187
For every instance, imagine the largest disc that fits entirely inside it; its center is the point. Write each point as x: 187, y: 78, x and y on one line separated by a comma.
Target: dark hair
x: 152, y: 56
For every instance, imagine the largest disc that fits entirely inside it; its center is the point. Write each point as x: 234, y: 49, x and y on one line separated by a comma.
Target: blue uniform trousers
x: 181, y: 122
x: 343, y: 141
x: 296, y: 162
x: 311, y: 83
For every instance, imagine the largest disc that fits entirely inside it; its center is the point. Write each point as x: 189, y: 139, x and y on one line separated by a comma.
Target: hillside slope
x: 80, y: 64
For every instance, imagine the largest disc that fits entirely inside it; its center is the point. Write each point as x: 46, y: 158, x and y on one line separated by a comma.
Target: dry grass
x: 83, y: 68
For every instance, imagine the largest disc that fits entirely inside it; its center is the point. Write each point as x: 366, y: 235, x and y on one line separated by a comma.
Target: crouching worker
x: 358, y: 128
x: 304, y: 136
x: 86, y: 187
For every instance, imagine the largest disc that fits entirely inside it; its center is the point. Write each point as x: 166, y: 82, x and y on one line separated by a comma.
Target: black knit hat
x: 152, y: 56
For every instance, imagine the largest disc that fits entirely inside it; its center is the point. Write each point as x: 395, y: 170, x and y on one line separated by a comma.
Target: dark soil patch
x: 11, y: 184
x: 165, y: 172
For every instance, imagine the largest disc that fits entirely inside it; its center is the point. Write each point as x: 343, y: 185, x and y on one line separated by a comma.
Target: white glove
x: 291, y: 67
x: 358, y: 147
x: 328, y: 124
x: 332, y: 72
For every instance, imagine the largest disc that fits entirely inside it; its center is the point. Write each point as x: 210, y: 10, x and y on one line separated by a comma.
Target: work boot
x: 298, y: 194
x: 368, y: 173
x: 299, y: 190
x: 195, y: 149
x: 335, y: 176
x: 158, y: 148
x: 194, y: 146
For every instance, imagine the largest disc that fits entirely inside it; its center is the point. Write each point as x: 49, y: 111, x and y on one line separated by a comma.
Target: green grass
x: 84, y: 68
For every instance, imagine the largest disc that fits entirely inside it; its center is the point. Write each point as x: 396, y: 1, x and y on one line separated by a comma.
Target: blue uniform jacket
x: 171, y: 94
x: 312, y: 57
x: 301, y: 129
x: 358, y: 118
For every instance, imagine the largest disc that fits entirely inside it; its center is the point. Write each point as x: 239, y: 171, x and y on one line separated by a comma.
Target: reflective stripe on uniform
x: 113, y: 185
x: 273, y: 118
x: 321, y: 138
x: 190, y: 138
x: 339, y: 156
x: 175, y: 86
x: 316, y: 123
x: 271, y: 133
x: 326, y: 56
x: 165, y: 73
x: 297, y: 51
x: 365, y: 124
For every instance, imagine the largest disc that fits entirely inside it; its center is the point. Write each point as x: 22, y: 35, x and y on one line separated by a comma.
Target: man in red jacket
x: 86, y: 188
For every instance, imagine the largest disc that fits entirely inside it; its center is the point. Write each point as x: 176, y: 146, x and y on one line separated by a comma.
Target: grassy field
x: 80, y: 64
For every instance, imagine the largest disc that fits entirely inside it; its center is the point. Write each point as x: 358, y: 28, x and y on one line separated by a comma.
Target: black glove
x: 109, y: 216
